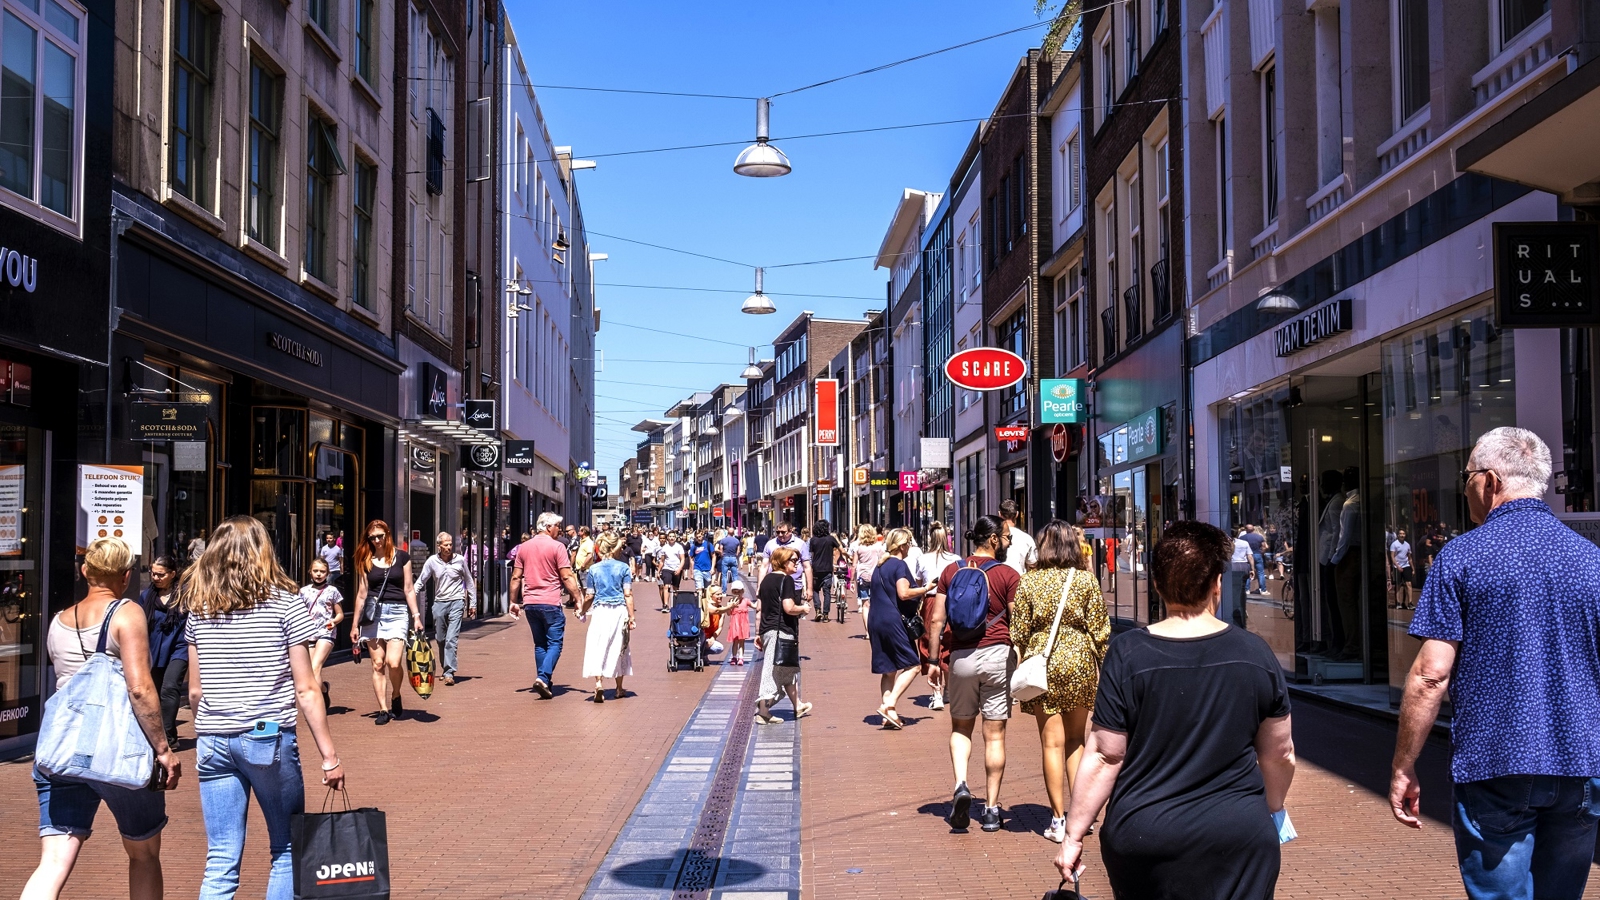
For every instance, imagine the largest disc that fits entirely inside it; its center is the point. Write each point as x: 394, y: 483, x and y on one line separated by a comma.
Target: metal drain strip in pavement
x: 721, y: 818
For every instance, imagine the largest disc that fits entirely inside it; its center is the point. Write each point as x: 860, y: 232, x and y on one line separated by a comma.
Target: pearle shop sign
x: 1546, y: 274
x: 1314, y: 327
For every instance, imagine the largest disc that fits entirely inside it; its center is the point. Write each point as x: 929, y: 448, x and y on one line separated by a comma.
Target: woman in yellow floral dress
x: 1073, y: 669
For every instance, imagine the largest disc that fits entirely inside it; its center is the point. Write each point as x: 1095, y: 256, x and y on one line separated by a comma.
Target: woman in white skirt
x: 608, y: 605
x: 386, y: 609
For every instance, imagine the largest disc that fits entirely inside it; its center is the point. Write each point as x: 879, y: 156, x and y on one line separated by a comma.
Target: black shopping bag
x: 340, y: 855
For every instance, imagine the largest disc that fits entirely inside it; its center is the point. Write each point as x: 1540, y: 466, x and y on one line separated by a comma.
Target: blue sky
x: 836, y: 203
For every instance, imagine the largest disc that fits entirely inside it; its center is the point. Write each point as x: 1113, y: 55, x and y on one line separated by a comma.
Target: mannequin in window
x: 1328, y: 532
x: 1347, y: 565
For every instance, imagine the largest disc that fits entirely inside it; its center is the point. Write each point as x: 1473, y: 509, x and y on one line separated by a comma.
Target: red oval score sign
x: 985, y: 369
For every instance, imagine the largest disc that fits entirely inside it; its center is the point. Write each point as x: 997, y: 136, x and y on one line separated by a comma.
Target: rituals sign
x: 1545, y: 273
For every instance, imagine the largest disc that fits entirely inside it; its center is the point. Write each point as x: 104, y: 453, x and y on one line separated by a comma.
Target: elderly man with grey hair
x: 541, y: 578
x: 453, y: 589
x: 1509, y: 619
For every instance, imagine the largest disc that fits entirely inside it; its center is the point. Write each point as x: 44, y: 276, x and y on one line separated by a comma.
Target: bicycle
x: 1286, y: 601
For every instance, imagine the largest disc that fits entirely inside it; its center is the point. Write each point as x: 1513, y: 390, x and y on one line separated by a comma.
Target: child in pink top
x: 738, y: 622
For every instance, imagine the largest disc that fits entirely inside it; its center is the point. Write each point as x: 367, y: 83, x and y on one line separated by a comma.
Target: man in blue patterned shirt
x: 1509, y: 621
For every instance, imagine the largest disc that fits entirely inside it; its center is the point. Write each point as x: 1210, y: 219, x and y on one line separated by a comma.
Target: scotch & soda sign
x: 985, y: 369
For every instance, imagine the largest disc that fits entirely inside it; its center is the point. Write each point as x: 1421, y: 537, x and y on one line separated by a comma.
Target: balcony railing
x: 1108, y: 331
x: 1161, y: 289
x: 1133, y: 311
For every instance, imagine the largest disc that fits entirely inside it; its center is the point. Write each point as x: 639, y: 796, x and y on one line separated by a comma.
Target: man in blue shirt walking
x: 1509, y: 620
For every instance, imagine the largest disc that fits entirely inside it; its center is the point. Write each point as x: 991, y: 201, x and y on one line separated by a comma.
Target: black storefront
x: 54, y: 228
x: 297, y: 400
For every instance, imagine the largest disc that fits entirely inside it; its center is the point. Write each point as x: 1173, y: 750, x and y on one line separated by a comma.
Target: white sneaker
x: 937, y: 702
x: 1057, y: 831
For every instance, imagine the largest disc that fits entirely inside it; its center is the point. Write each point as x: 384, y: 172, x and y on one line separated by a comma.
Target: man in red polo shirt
x: 540, y: 570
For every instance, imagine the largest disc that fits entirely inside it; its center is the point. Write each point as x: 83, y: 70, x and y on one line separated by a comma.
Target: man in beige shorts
x: 979, y: 681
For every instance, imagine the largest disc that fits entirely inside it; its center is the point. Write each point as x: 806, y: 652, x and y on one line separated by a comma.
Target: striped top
x: 243, y: 658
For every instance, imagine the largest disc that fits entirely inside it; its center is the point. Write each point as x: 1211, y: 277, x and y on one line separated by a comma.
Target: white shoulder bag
x: 1030, y: 679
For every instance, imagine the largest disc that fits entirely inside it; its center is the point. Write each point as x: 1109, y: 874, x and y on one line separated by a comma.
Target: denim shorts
x: 702, y: 579
x: 68, y: 807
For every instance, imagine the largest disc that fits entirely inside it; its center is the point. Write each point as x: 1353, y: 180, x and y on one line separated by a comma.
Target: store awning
x: 1547, y: 143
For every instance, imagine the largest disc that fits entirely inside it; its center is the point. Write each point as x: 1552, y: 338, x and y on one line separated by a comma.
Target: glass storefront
x: 23, y: 480
x: 1333, y: 470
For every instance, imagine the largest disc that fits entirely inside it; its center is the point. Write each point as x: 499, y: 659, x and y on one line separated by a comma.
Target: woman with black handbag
x: 894, y: 624
x: 779, y: 637
x: 386, y: 604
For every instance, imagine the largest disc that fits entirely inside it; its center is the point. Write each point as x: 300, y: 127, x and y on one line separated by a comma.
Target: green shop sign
x: 1144, y: 435
x: 1061, y: 401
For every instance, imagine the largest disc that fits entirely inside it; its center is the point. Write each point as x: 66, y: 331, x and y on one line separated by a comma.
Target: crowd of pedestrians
x: 1174, y: 739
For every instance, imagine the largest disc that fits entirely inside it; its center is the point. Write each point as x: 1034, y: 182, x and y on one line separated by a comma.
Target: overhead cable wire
x: 609, y: 90
x: 912, y: 59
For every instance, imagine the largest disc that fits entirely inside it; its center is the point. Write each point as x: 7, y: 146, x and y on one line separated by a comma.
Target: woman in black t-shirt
x: 779, y: 636
x: 1190, y: 743
x: 386, y: 610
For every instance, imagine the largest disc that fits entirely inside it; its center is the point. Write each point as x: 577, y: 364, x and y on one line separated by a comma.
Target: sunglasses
x: 1468, y: 474
x: 376, y: 537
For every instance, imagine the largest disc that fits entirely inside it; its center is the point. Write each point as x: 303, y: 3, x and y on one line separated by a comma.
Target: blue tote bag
x: 89, y: 731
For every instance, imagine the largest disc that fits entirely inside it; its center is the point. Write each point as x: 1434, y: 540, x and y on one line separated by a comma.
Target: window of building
x: 1517, y: 15
x: 1158, y: 18
x: 1108, y: 91
x: 974, y: 270
x: 1019, y: 204
x: 1074, y: 173
x: 411, y: 255
x: 435, y: 152
x: 194, y: 35
x: 1013, y: 335
x: 366, y: 190
x: 1269, y: 140
x: 266, y: 116
x: 1224, y: 227
x: 1411, y: 56
x: 1075, y: 330
x: 366, y: 59
x: 1163, y: 198
x: 41, y: 120
x: 323, y: 163
x: 320, y: 12
x: 1130, y: 28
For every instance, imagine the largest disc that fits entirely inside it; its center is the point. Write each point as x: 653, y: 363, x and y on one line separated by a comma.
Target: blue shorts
x: 702, y: 579
x: 68, y: 807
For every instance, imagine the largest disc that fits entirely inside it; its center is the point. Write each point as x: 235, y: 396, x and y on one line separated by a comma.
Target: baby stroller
x: 685, y: 643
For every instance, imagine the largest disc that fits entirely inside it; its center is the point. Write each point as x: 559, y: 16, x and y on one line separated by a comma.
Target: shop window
x: 365, y: 195
x: 323, y: 164
x: 278, y: 442
x: 266, y: 111
x: 41, y: 116
x: 194, y: 35
x: 23, y: 475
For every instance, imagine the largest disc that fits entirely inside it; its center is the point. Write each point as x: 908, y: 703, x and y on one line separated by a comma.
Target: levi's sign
x: 1011, y: 433
x: 1316, y: 326
x: 985, y: 369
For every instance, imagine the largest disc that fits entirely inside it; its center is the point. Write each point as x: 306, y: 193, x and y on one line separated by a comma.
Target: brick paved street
x: 493, y: 793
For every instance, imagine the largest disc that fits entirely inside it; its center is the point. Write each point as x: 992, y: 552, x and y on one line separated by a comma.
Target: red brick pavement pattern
x: 874, y: 800
x: 490, y: 792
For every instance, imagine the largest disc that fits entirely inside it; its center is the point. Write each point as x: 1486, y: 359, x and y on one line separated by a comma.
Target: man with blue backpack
x: 972, y: 612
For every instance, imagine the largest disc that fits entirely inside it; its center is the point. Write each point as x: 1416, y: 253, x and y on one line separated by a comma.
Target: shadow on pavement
x: 667, y: 871
x: 1359, y: 749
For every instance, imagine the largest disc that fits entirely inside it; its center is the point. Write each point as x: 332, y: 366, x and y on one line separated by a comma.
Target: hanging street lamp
x: 761, y: 159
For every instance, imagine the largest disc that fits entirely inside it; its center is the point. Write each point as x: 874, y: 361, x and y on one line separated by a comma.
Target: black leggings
x: 172, y: 679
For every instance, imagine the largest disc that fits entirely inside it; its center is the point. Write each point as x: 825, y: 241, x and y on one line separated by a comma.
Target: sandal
x: 802, y: 711
x: 891, y: 721
x: 765, y: 720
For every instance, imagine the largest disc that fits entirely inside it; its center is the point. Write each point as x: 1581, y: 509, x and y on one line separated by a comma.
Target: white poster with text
x: 110, y: 504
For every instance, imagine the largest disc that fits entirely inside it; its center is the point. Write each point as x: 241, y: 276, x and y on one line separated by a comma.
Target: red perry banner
x: 985, y: 369
x: 827, y: 407
x: 1011, y: 432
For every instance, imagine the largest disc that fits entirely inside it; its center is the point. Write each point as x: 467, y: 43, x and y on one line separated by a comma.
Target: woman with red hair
x: 386, y: 604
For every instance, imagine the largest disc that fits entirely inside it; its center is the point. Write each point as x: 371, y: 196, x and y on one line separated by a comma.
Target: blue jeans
x: 1524, y: 836
x: 549, y: 625
x: 730, y: 573
x: 1261, y: 573
x: 230, y: 768
x: 447, y: 630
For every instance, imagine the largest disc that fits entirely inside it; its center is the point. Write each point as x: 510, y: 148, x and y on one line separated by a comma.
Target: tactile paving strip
x: 699, y: 870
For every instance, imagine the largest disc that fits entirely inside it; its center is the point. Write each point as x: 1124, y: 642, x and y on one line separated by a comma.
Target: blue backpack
x: 966, y: 605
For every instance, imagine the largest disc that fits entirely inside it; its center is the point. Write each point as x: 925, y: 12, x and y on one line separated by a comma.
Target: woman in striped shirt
x: 250, y: 670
